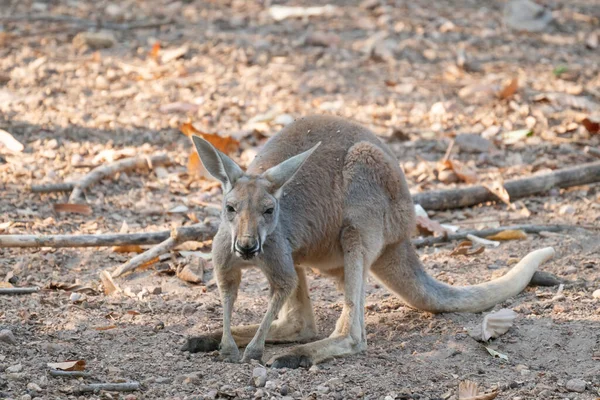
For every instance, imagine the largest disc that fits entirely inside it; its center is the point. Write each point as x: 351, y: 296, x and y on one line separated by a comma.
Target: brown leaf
x: 74, y: 365
x: 155, y: 51
x: 226, y: 144
x: 108, y: 284
x: 467, y: 390
x: 591, y: 124
x: 428, y: 226
x: 465, y: 248
x: 497, y: 189
x: 465, y: 173
x: 509, y: 235
x: 104, y: 328
x: 5, y: 285
x: 128, y: 248
x: 148, y: 264
x: 5, y: 225
x: 72, y: 208
x: 509, y: 90
x: 193, y: 271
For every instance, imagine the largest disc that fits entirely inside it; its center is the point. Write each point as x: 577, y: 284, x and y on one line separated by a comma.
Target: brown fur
x: 345, y: 212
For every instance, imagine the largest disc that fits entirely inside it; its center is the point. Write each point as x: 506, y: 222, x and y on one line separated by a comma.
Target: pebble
x: 212, y: 395
x: 188, y: 309
x: 259, y: 394
x: 6, y: 336
x: 94, y: 40
x: 259, y: 376
x: 284, y: 390
x: 566, y: 210
x: 570, y: 270
x: 34, y: 387
x: 472, y: 143
x: 15, y: 368
x: 154, y: 289
x: 596, y: 294
x: 576, y: 385
x: 323, y: 389
x: 270, y: 385
x: 25, y: 397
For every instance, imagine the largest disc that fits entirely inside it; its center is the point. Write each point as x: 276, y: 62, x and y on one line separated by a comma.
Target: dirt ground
x: 416, y: 73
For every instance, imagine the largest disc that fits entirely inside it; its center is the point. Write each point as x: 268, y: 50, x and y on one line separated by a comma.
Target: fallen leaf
x: 466, y: 248
x: 464, y: 173
x: 108, y: 284
x: 428, y: 226
x: 484, y: 242
x: 75, y: 365
x: 495, y: 354
x: 149, y: 263
x: 173, y: 54
x: 226, y: 144
x: 509, y: 90
x: 591, y: 124
x: 497, y: 189
x: 467, y: 390
x: 128, y: 248
x: 72, y: 208
x: 104, y: 328
x: 5, y: 225
x: 133, y: 312
x: 513, y: 137
x: 5, y: 285
x: 511, y: 234
x: 497, y: 323
x: 155, y: 51
x: 9, y: 142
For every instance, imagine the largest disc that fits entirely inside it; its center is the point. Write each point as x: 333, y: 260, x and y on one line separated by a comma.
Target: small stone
x: 94, y: 40
x: 188, y: 309
x: 76, y: 297
x: 34, y: 387
x: 323, y: 389
x: 163, y: 380
x: 472, y: 143
x: 259, y: 376
x: 259, y: 394
x: 314, y: 369
x: 566, y: 210
x: 211, y: 395
x: 596, y: 294
x: 447, y: 176
x: 6, y: 336
x: 270, y: 385
x: 284, y: 390
x: 15, y: 368
x: 25, y: 397
x: 154, y: 289
x: 576, y: 385
x: 570, y: 270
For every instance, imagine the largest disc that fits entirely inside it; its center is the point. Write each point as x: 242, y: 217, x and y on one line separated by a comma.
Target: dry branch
x: 111, y: 387
x: 69, y: 374
x: 517, y: 188
x: 101, y: 172
x: 99, y: 24
x: 492, y: 231
x: 19, y: 290
x: 193, y: 232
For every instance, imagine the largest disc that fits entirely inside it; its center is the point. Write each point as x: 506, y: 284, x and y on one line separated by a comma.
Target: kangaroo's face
x: 250, y: 210
x: 250, y: 203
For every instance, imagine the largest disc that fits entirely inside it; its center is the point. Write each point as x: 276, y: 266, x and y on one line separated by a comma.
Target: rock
x: 576, y: 385
x: 259, y: 376
x: 6, y: 336
x: 447, y: 176
x: 154, y: 289
x: 94, y: 40
x: 162, y: 380
x: 193, y: 271
x: 570, y: 270
x: 472, y: 143
x: 284, y: 390
x: 15, y: 368
x: 596, y: 294
x: 25, y: 397
x: 76, y: 297
x: 188, y: 309
x: 259, y: 394
x: 566, y: 210
x: 543, y: 278
x: 526, y: 15
x: 270, y: 385
x: 323, y: 389
x: 211, y: 395
x: 34, y: 387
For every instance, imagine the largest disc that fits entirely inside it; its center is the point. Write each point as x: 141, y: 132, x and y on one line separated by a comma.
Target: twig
x: 53, y: 187
x: 85, y: 22
x: 19, y: 290
x: 101, y: 172
x: 492, y: 231
x: 71, y: 374
x: 517, y: 188
x: 111, y: 387
x: 199, y: 231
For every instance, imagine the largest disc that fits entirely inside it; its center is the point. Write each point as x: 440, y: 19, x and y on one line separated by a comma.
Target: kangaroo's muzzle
x: 247, y: 247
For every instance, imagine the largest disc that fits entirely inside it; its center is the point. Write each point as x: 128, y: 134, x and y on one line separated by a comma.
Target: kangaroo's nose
x: 247, y: 247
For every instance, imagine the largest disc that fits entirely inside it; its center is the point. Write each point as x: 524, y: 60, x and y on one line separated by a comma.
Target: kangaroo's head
x: 250, y: 202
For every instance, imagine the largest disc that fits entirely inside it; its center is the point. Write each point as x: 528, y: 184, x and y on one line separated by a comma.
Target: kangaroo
x: 324, y: 193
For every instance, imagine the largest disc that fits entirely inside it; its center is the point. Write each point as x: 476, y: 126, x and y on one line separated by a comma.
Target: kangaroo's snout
x: 247, y: 247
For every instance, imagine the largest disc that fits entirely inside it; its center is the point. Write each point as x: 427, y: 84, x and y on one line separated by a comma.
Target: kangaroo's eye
x: 229, y: 209
x: 269, y: 211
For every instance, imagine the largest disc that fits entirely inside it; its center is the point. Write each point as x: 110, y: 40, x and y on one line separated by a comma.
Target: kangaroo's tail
x: 400, y: 269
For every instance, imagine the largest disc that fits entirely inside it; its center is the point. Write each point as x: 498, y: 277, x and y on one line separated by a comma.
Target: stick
x: 19, y: 290
x: 492, y: 231
x: 203, y: 232
x: 71, y: 374
x: 111, y: 387
x: 85, y: 22
x: 517, y: 188
x: 101, y: 172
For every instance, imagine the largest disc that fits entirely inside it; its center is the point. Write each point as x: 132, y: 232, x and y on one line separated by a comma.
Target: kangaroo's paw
x: 250, y: 355
x: 231, y: 355
x: 202, y: 344
x: 290, y: 361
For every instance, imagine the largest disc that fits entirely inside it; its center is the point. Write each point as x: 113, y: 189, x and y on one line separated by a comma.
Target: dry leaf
x: 5, y: 285
x: 510, y: 89
x: 9, y: 142
x: 466, y: 248
x: 467, y: 390
x: 128, y: 248
x: 75, y: 365
x: 226, y: 144
x: 428, y: 226
x: 591, y: 124
x: 497, y: 189
x: 72, y: 208
x: 497, y: 323
x: 108, y: 284
x: 173, y: 54
x: 496, y: 354
x: 513, y: 137
x: 193, y: 271
x: 509, y: 235
x: 155, y: 51
x: 149, y: 263
x: 5, y: 225
x: 104, y: 328
x: 464, y: 173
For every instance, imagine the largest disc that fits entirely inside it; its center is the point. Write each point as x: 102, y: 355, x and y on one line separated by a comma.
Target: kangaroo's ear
x: 282, y: 173
x: 217, y: 164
